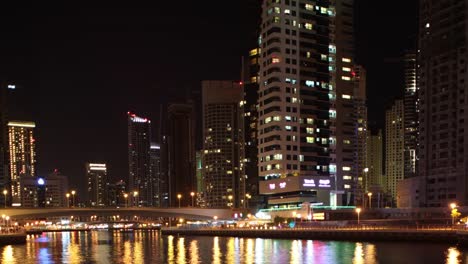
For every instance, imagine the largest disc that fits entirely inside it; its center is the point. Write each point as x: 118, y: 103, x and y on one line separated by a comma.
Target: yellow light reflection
x: 231, y: 252
x: 181, y: 250
x: 216, y: 251
x: 250, y: 251
x: 194, y: 255
x: 358, y: 254
x: 127, y: 257
x: 453, y: 256
x: 138, y: 250
x: 7, y: 254
x: 370, y: 254
x: 170, y: 249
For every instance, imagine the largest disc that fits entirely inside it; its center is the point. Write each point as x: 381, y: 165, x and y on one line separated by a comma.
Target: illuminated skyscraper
x: 307, y: 122
x: 223, y: 146
x: 139, y: 143
x: 97, y: 183
x: 22, y: 155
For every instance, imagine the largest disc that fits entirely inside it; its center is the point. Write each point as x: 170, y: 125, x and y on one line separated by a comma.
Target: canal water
x: 151, y: 247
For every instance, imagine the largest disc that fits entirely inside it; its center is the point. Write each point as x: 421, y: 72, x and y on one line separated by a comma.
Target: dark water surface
x: 151, y: 247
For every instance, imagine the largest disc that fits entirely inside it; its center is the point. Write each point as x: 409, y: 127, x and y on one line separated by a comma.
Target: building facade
x: 307, y: 121
x: 443, y: 103
x: 22, y: 156
x: 140, y: 179
x: 223, y: 146
x: 394, y: 147
x: 96, y: 173
x: 56, y: 186
x: 159, y: 195
x: 361, y: 133
x: 411, y: 114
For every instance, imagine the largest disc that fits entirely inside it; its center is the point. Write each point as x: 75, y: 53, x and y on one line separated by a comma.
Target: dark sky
x: 81, y: 68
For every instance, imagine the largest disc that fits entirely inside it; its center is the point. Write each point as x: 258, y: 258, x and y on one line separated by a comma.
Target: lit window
x: 347, y: 186
x: 332, y: 48
x: 277, y: 166
x: 310, y: 139
x: 278, y: 157
x: 309, y: 83
x: 332, y: 113
x: 294, y: 100
x: 253, y: 52
x: 346, y: 60
x: 309, y: 7
x: 275, y: 60
x: 346, y: 69
x: 310, y: 121
x: 288, y: 128
x: 346, y: 168
x: 267, y: 120
x: 308, y: 26
x: 323, y: 57
x: 287, y: 11
x: 428, y: 25
x: 277, y: 118
x: 346, y: 96
x: 347, y: 141
x: 301, y: 158
x: 346, y: 78
x: 277, y: 10
x: 323, y: 10
x: 268, y: 167
x: 310, y: 130
x: 308, y: 54
x: 288, y: 118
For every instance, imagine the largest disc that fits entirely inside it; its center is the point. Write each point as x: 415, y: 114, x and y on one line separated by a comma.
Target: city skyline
x: 72, y: 131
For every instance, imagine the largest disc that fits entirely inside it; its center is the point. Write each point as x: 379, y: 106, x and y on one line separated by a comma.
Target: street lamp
x: 5, y: 194
x: 68, y: 199
x: 192, y: 194
x: 73, y: 197
x: 358, y: 211
x: 370, y: 199
x: 135, y: 197
x: 453, y: 212
x: 178, y: 197
x: 248, y: 196
x: 126, y: 199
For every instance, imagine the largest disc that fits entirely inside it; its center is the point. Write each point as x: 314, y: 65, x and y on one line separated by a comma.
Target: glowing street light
x: 370, y: 199
x: 73, y: 192
x: 215, y: 217
x: 135, y: 197
x: 178, y: 197
x: 358, y: 211
x: 193, y: 195
x: 454, y: 212
x: 126, y: 199
x: 68, y: 199
x: 5, y: 192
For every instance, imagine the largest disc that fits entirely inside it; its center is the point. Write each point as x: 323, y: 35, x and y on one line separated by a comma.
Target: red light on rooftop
x: 241, y: 83
x: 353, y: 73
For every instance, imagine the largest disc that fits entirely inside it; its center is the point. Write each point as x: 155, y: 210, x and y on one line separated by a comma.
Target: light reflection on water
x: 151, y: 247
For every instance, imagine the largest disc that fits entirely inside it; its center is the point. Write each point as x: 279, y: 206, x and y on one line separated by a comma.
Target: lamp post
x: 126, y: 199
x: 453, y: 212
x: 370, y: 199
x: 358, y: 211
x: 135, y: 197
x: 5, y: 192
x: 178, y: 197
x: 73, y: 192
x: 193, y: 195
x: 68, y: 199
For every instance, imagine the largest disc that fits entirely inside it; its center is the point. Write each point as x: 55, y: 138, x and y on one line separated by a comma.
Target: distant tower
x: 394, y: 147
x: 158, y: 182
x: 411, y: 114
x: 56, y: 188
x: 223, y: 144
x: 22, y: 154
x: 97, y: 183
x: 139, y: 143
x: 180, y: 153
x: 361, y: 133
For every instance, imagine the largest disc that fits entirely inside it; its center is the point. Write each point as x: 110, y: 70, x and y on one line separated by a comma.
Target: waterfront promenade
x: 351, y: 233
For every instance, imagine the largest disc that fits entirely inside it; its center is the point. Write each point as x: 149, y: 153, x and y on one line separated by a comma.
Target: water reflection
x: 151, y: 247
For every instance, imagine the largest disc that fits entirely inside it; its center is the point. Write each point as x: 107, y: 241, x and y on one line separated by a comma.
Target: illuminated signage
x: 272, y: 186
x: 40, y: 181
x: 324, y: 183
x: 309, y: 183
x: 282, y: 185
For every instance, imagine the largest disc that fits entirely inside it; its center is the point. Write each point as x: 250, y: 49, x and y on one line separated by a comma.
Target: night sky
x: 81, y: 68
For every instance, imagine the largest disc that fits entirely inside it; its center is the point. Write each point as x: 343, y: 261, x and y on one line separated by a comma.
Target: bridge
x: 128, y: 212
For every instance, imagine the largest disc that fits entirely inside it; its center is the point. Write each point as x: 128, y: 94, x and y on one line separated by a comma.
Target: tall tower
x: 306, y: 103
x: 361, y: 133
x: 180, y: 157
x: 223, y: 144
x: 22, y: 155
x: 96, y: 173
x: 394, y: 147
x: 411, y: 114
x: 443, y: 113
x: 139, y: 142
x: 158, y: 182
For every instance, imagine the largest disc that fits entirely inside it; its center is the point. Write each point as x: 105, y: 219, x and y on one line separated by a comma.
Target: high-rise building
x: 394, y: 147
x: 116, y: 194
x: 139, y: 144
x: 361, y: 133
x: 4, y: 147
x: 411, y: 114
x: 178, y: 157
x: 22, y: 155
x: 200, y: 193
x: 97, y: 183
x: 307, y: 138
x: 443, y: 86
x: 56, y: 186
x: 374, y: 172
x: 223, y: 146
x: 250, y: 84
x: 158, y: 182
x: 33, y: 192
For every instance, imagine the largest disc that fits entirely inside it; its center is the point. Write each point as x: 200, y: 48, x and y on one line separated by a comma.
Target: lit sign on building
x: 282, y: 185
x: 322, y: 183
x: 272, y: 186
x: 308, y: 183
